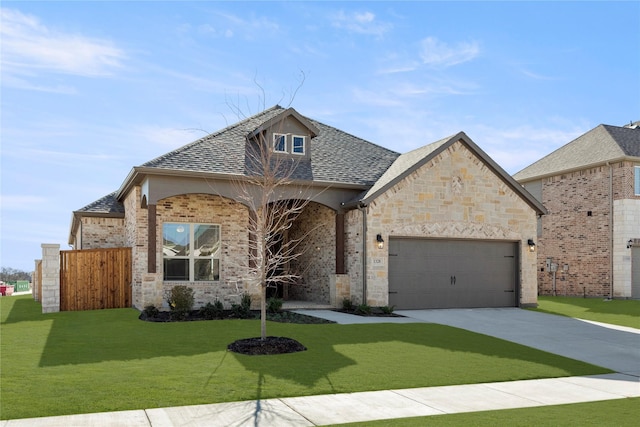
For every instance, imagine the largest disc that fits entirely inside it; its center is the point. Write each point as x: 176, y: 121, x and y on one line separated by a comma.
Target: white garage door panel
x: 430, y: 273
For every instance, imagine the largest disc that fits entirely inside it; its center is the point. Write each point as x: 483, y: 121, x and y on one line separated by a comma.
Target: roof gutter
x: 136, y: 176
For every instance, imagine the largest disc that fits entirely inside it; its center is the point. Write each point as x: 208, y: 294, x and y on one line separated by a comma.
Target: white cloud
x: 170, y: 138
x: 250, y: 27
x: 27, y: 44
x: 361, y: 23
x: 535, y: 76
x: 440, y: 54
x: 532, y: 142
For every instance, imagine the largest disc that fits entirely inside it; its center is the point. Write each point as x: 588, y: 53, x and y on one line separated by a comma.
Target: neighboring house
x: 591, y: 234
x: 440, y: 226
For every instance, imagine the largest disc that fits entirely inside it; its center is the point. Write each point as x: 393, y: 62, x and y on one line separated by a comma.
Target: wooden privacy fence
x: 93, y: 279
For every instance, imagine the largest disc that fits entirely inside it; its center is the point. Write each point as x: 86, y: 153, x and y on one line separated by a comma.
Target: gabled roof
x: 281, y: 116
x: 604, y: 143
x: 107, y: 205
x: 337, y: 156
x: 413, y: 160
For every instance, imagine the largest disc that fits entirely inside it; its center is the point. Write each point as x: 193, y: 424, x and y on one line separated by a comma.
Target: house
x: 589, y: 242
x: 440, y: 226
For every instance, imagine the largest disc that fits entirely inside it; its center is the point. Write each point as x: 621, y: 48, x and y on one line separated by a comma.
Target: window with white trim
x: 298, y: 144
x: 191, y: 252
x: 636, y: 180
x: 279, y: 143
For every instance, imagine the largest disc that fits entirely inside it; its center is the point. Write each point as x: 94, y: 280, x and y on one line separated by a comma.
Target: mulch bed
x: 270, y: 345
x: 197, y: 315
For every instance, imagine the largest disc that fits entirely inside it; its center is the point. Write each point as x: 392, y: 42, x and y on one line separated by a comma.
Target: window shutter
x: 637, y: 180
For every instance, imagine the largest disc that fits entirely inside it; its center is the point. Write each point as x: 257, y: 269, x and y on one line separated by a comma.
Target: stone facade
x: 353, y: 230
x: 455, y: 195
x: 592, y: 214
x: 50, y: 280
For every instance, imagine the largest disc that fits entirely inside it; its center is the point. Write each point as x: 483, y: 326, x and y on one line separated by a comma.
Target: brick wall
x: 577, y: 231
x: 233, y: 220
x: 453, y: 196
x: 318, y: 254
x: 144, y: 289
x: 98, y: 233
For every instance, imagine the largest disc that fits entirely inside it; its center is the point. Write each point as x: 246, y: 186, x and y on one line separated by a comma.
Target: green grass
x: 107, y: 360
x: 616, y: 312
x: 620, y: 412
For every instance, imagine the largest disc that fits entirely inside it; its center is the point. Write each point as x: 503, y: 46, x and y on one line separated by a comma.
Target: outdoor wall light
x: 629, y: 243
x: 532, y: 245
x: 380, y: 241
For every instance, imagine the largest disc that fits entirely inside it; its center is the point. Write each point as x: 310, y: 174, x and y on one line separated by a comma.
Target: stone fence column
x: 50, y: 280
x: 36, y: 280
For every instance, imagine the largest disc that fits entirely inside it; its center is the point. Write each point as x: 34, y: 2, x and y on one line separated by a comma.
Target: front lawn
x: 615, y: 312
x: 108, y: 360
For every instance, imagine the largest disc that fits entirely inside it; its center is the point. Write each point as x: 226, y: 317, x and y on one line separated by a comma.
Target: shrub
x: 242, y: 310
x: 212, y: 311
x: 150, y: 311
x: 274, y: 305
x: 363, y: 309
x: 347, y: 304
x: 387, y: 309
x: 180, y: 302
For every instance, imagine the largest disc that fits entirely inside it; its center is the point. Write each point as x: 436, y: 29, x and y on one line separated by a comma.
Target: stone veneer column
x: 50, y: 278
x: 339, y: 289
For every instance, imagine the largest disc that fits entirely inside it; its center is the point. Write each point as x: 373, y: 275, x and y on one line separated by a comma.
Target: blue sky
x: 91, y: 89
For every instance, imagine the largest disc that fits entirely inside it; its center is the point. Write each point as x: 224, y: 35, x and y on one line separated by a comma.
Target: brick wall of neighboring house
x: 233, y: 219
x: 577, y: 232
x: 318, y: 254
x: 102, y: 232
x: 452, y: 196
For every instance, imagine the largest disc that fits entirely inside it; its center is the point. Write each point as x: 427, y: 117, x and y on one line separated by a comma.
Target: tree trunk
x: 263, y: 311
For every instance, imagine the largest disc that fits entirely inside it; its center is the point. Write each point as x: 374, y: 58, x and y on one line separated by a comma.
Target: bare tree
x: 275, y: 200
x: 8, y: 273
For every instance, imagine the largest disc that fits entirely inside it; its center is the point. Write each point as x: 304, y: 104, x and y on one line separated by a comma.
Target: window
x: 298, y: 144
x: 636, y: 180
x: 279, y: 142
x: 191, y: 252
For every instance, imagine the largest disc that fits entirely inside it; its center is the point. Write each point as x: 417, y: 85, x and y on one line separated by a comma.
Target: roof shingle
x: 599, y: 145
x: 336, y: 155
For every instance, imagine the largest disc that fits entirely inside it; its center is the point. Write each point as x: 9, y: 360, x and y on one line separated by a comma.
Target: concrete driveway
x: 609, y: 346
x: 616, y: 348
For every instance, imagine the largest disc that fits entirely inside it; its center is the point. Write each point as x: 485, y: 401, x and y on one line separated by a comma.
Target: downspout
x: 363, y: 208
x: 610, y: 231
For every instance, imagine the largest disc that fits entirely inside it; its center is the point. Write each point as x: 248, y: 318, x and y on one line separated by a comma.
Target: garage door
x: 635, y: 272
x: 433, y: 273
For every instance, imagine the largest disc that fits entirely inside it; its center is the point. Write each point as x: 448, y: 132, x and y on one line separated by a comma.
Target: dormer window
x: 279, y: 143
x: 298, y: 144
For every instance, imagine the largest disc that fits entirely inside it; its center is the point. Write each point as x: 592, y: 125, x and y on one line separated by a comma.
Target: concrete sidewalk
x: 604, y: 345
x: 365, y: 406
